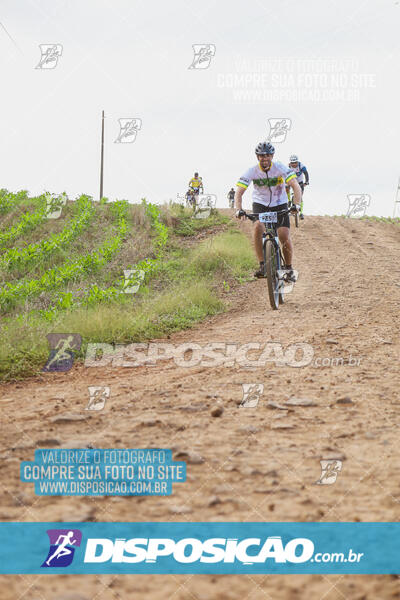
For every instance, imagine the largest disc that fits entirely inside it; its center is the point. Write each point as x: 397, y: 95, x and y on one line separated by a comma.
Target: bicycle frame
x: 191, y: 200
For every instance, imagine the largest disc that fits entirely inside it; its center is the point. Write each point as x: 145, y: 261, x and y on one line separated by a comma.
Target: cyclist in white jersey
x: 301, y: 173
x: 269, y: 192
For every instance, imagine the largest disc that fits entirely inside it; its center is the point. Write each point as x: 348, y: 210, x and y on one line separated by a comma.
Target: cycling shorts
x: 283, y: 220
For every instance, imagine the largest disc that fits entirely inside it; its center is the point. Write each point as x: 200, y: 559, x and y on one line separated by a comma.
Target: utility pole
x: 102, y: 155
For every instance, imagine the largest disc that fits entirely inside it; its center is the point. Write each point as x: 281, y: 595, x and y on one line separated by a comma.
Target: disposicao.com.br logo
x: 248, y: 551
x: 189, y: 550
x: 199, y: 547
x: 192, y: 550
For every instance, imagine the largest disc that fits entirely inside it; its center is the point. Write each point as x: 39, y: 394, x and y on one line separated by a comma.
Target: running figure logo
x: 62, y: 348
x: 205, y: 204
x: 282, y: 281
x: 180, y: 199
x: 61, y: 551
x: 54, y: 205
x: 98, y: 396
x: 128, y: 129
x: 251, y: 394
x: 358, y: 204
x: 133, y: 280
x: 278, y: 129
x: 203, y: 54
x: 50, y: 55
x: 329, y: 471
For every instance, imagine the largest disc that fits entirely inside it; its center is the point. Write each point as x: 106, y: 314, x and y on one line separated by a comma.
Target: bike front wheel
x: 270, y: 269
x: 281, y: 284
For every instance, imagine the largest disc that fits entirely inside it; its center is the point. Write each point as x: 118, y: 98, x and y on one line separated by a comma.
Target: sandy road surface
x: 259, y: 464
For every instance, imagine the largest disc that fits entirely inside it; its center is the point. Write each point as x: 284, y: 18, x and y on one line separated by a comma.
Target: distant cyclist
x: 301, y: 175
x: 190, y: 198
x: 196, y: 184
x: 269, y: 181
x: 231, y: 198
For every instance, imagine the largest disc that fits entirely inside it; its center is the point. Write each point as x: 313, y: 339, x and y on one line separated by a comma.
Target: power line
x: 11, y: 38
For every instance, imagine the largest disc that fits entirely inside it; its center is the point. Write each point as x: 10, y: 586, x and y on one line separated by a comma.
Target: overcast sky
x: 329, y: 67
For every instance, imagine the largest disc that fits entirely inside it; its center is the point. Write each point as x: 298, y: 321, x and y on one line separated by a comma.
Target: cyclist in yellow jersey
x: 196, y: 184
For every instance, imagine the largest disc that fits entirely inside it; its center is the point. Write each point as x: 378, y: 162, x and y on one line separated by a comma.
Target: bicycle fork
x: 279, y: 267
x: 268, y: 237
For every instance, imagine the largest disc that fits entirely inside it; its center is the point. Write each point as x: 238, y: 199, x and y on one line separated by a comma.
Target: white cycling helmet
x: 294, y: 158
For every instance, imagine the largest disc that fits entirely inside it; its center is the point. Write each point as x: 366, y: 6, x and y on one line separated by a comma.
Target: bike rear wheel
x: 270, y: 270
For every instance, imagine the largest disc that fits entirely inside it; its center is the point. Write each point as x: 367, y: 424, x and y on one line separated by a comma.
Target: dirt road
x: 248, y: 464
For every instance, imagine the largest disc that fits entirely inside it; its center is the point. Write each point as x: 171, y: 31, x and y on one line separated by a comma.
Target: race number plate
x: 268, y: 217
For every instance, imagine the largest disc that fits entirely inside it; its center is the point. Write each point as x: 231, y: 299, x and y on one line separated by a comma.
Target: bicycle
x: 274, y: 262
x: 291, y: 202
x: 191, y: 199
x: 290, y: 205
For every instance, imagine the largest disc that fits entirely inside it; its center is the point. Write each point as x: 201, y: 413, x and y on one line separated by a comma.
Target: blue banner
x: 192, y: 548
x: 98, y: 472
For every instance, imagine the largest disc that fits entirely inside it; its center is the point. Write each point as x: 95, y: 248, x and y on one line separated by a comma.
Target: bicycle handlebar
x: 254, y: 216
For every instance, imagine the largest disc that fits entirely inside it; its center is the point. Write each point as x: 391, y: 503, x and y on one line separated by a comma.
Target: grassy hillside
x: 66, y: 274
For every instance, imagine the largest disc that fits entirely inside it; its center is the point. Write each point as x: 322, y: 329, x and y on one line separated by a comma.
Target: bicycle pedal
x: 283, y: 276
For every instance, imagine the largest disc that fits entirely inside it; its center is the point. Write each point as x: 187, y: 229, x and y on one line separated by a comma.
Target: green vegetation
x: 8, y: 200
x: 189, y: 266
x: 35, y: 252
x: 186, y: 225
x: 395, y: 220
x: 27, y: 222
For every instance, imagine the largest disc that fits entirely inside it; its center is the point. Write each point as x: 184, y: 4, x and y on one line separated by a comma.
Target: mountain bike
x: 274, y: 261
x: 191, y: 199
x: 290, y: 205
